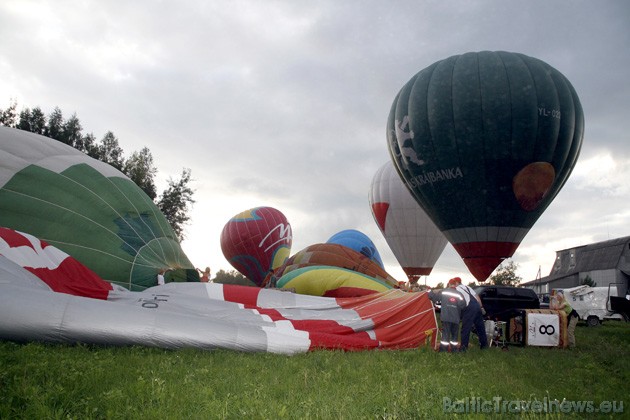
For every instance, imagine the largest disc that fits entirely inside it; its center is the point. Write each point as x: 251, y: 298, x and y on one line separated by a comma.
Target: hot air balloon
x: 410, y: 233
x: 358, y: 241
x: 88, y: 209
x: 485, y: 141
x: 256, y: 242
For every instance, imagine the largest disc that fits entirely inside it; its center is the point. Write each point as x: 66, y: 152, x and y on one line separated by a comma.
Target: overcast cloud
x: 284, y: 103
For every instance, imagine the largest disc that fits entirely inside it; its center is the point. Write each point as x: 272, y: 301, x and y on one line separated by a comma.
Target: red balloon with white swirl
x: 256, y: 242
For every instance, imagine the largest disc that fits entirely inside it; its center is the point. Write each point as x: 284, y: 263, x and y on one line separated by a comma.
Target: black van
x: 503, y: 302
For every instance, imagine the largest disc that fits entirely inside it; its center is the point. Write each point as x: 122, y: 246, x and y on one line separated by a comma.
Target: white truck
x: 592, y: 303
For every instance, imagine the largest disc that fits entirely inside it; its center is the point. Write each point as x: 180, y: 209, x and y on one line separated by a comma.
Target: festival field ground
x: 41, y: 381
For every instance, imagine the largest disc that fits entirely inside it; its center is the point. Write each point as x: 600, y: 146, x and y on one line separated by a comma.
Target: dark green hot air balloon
x: 485, y: 141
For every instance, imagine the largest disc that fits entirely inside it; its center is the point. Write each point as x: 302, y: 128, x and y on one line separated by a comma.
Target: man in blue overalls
x: 472, y: 315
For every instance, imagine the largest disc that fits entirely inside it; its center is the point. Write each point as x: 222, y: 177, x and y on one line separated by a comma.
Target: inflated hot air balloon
x: 87, y: 209
x: 358, y: 241
x: 485, y: 141
x: 410, y: 233
x: 256, y: 242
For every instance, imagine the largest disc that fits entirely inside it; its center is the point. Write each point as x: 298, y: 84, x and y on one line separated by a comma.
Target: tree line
x: 174, y: 202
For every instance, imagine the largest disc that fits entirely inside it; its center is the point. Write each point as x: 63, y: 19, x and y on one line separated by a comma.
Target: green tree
x: 71, y: 133
x: 588, y: 281
x: 140, y: 169
x: 88, y: 145
x: 8, y: 116
x: 38, y: 121
x: 24, y: 122
x: 231, y: 277
x: 33, y: 121
x: 109, y: 151
x: 440, y: 285
x: 54, y: 128
x: 175, y: 202
x: 506, y: 275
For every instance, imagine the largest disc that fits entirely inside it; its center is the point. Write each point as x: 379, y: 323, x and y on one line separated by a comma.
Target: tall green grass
x: 40, y: 381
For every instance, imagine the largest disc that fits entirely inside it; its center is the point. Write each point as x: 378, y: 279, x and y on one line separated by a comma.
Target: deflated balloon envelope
x: 410, y: 233
x: 485, y: 141
x: 329, y: 281
x: 88, y: 209
x: 335, y: 255
x: 256, y: 242
x: 59, y: 271
x: 358, y: 241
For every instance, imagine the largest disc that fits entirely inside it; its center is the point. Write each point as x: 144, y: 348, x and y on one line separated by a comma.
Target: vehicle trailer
x: 592, y: 303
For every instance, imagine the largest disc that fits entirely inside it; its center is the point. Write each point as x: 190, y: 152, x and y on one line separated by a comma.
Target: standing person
x: 452, y: 305
x: 160, y: 277
x: 572, y: 316
x: 205, y: 275
x: 473, y: 315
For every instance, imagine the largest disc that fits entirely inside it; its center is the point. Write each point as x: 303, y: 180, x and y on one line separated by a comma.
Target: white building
x: 605, y: 263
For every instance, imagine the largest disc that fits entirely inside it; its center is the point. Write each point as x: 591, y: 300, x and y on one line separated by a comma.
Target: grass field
x: 40, y: 381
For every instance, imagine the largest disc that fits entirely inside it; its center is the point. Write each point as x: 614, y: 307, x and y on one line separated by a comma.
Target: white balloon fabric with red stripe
x: 54, y: 267
x: 71, y: 304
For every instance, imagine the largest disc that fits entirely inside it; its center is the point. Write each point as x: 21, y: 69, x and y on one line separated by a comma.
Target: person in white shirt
x: 160, y: 277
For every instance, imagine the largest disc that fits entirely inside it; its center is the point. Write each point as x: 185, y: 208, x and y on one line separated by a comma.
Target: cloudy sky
x: 284, y: 103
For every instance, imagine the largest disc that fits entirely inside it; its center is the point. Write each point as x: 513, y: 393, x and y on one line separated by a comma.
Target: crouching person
x: 452, y: 305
